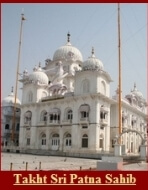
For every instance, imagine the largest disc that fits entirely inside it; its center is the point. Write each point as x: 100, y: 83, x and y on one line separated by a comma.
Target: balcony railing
x: 54, y: 122
x: 27, y: 123
x: 84, y: 120
x: 42, y: 123
x: 67, y: 121
x: 103, y: 121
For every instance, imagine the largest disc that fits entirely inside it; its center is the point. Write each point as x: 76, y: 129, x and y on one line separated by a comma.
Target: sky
x: 90, y: 25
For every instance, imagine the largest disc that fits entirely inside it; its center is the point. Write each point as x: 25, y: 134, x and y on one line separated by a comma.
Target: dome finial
x: 68, y: 37
x: 39, y: 64
x: 134, y: 86
x: 92, y: 51
x: 12, y: 89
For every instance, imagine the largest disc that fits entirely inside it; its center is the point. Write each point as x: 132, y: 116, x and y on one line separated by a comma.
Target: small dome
x: 137, y: 93
x: 10, y: 100
x: 38, y: 76
x: 92, y: 63
x: 68, y: 52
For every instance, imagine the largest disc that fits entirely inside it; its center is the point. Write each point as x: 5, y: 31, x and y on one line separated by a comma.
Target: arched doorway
x: 131, y: 142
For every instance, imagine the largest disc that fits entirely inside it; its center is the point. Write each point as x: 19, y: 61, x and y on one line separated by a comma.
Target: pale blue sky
x: 95, y: 25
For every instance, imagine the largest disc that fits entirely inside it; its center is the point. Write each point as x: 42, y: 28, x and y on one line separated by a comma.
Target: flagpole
x: 17, y: 73
x: 119, y: 62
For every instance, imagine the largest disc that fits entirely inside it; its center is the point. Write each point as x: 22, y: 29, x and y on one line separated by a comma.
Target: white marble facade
x: 66, y: 106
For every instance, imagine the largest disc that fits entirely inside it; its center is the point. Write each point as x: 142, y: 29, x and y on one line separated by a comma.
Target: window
x: 17, y: 127
x: 113, y: 143
x: 85, y: 141
x: 43, y: 116
x: 7, y: 126
x: 54, y: 116
x: 28, y: 141
x: 55, y: 140
x: 103, y: 115
x: 101, y: 141
x: 103, y: 112
x: 68, y: 140
x: 84, y: 114
x: 101, y: 127
x: 43, y: 140
x: 27, y: 119
x: 84, y: 111
x: 84, y: 127
x: 69, y: 115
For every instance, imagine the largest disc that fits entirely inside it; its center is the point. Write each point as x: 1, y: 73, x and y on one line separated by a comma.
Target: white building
x: 66, y: 107
x: 7, y: 122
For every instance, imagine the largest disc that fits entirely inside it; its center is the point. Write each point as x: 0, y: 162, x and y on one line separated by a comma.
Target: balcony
x: 54, y: 122
x: 27, y: 128
x: 84, y: 120
x: 103, y: 121
x: 67, y: 122
x: 42, y: 123
x: 27, y: 123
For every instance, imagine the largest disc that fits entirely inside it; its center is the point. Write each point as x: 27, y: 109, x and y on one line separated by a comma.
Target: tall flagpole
x: 119, y: 61
x: 17, y: 73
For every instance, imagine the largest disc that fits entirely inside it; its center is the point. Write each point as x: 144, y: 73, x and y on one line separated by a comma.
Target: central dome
x: 38, y: 76
x: 68, y: 52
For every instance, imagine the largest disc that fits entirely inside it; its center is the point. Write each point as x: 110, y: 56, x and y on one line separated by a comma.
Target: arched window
x: 103, y: 87
x: 7, y: 126
x: 85, y: 86
x: 55, y: 141
x: 43, y: 139
x: 103, y: 112
x: 43, y: 116
x: 68, y: 140
x: 30, y: 97
x: 69, y: 115
x: 27, y: 117
x: 28, y: 141
x: 84, y: 111
x: 54, y: 115
x: 85, y: 141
